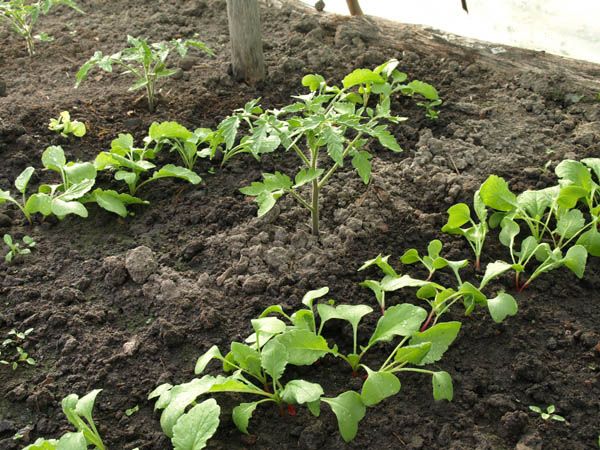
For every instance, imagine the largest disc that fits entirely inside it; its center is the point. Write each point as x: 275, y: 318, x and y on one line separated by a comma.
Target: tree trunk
x: 354, y: 8
x: 247, y: 61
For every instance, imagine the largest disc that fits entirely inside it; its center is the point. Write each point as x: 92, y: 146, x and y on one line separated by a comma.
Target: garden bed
x: 218, y: 266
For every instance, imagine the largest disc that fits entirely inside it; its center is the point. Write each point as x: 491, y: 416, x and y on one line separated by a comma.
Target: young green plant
x: 79, y: 412
x: 323, y: 128
x: 132, y: 163
x: 548, y: 413
x: 65, y: 126
x: 15, y: 342
x: 15, y: 249
x: 23, y: 15
x: 147, y: 63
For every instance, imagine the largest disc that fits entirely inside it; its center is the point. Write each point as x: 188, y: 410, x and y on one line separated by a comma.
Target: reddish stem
x: 291, y: 410
x: 427, y: 322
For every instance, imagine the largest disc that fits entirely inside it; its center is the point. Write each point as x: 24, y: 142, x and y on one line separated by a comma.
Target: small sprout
x: 23, y: 16
x: 147, y: 63
x: 15, y: 249
x: 131, y: 411
x: 548, y: 414
x: 65, y: 126
x: 15, y: 341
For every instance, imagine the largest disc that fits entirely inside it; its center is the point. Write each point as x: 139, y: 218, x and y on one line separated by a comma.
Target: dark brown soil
x: 219, y: 266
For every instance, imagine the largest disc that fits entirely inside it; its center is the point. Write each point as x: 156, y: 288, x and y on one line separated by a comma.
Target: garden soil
x: 210, y: 265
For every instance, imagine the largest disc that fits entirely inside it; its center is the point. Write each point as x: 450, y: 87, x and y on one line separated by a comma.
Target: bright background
x: 564, y: 27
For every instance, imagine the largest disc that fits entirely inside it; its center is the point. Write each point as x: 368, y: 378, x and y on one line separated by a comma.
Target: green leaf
x: 172, y: 171
x: 72, y: 441
x: 197, y: 426
x: 271, y: 183
x: 85, y: 405
x: 594, y: 164
x: 335, y: 144
x: 274, y: 358
x: 412, y: 354
x: 311, y: 296
x: 458, y: 215
x: 78, y: 129
x: 569, y: 195
x: 591, y: 241
x: 349, y: 410
x: 535, y: 203
x: 313, y: 81
x: 207, y: 357
x: 62, y: 208
x: 268, y: 326
x: 242, y: 414
x: 182, y: 396
x: 78, y: 172
x: 569, y: 223
x: 361, y: 76
x: 229, y: 127
x: 442, y: 386
x: 303, y: 346
x: 398, y: 320
x: 496, y: 194
x: 574, y: 172
x: 576, y: 259
x: 23, y: 180
x: 53, y: 158
x: 510, y: 229
x: 298, y: 392
x: 350, y: 313
x: 494, y: 270
x: 441, y: 336
x: 502, y: 306
x: 424, y: 89
x: 247, y: 357
x: 41, y: 203
x: 410, y: 256
x: 77, y: 190
x: 306, y: 176
x: 382, y: 263
x: 393, y: 283
x: 169, y: 130
x: 361, y: 161
x: 379, y: 386
x: 386, y: 139
x: 116, y: 202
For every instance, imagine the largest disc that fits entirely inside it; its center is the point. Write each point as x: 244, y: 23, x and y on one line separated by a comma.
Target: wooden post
x: 354, y: 8
x: 247, y: 61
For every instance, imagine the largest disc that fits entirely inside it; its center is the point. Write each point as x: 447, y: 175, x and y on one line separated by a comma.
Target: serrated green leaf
x: 569, y: 223
x: 361, y: 161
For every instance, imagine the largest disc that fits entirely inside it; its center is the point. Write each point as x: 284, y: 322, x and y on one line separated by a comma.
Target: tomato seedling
x: 338, y: 122
x: 65, y: 126
x: 22, y: 16
x: 147, y: 63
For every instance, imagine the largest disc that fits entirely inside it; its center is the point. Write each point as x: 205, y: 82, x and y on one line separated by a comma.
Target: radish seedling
x: 560, y: 234
x: 459, y: 215
x: 16, y: 341
x: 338, y: 121
x: 79, y: 413
x: 256, y: 369
x: 147, y: 63
x: 15, y: 249
x: 23, y: 16
x: 440, y: 298
x: 65, y: 126
x: 132, y: 163
x: 548, y: 414
x: 178, y: 138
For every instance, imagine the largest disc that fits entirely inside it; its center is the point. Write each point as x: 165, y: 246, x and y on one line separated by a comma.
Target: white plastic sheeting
x: 563, y: 27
